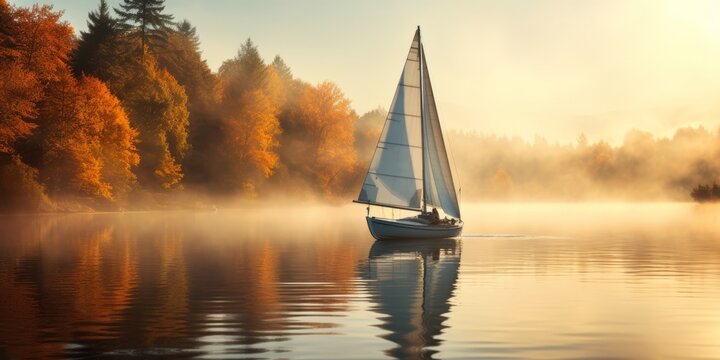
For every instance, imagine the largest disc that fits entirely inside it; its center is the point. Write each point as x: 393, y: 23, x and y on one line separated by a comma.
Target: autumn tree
x: 8, y: 32
x: 19, y: 93
x: 157, y: 107
x: 144, y: 19
x: 117, y: 139
x: 156, y: 104
x: 367, y: 132
x: 250, y: 95
x: 43, y: 41
x: 251, y: 140
x: 34, y: 46
x: 102, y: 29
x: 88, y: 145
x: 321, y: 148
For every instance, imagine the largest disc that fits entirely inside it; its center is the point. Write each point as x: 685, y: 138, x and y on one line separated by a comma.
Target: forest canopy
x: 128, y: 115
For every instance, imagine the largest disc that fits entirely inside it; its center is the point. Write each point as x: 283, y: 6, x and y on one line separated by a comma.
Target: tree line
x: 129, y: 113
x: 642, y: 167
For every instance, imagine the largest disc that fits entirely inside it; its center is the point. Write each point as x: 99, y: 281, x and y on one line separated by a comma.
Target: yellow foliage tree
x: 118, y: 153
x: 252, y: 133
x: 250, y: 95
x: 157, y: 106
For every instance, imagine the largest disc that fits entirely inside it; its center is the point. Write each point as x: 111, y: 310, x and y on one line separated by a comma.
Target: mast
x: 422, y: 121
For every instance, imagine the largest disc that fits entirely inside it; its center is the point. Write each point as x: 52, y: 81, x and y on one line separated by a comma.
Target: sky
x: 553, y: 69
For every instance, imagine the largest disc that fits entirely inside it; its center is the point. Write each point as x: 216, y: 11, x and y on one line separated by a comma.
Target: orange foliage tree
x: 43, y: 41
x: 88, y: 145
x: 117, y: 151
x: 33, y: 46
x: 250, y: 98
x: 19, y: 93
x: 321, y: 122
x: 253, y: 134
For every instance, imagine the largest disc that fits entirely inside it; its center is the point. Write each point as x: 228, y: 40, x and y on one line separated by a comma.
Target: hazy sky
x: 527, y: 68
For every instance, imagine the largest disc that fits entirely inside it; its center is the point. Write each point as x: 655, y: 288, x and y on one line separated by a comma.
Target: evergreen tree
x: 146, y: 17
x: 189, y: 32
x: 102, y: 28
x: 247, y: 65
x: 185, y: 63
x: 282, y: 69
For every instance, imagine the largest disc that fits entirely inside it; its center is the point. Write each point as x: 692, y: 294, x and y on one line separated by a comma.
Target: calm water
x: 526, y: 281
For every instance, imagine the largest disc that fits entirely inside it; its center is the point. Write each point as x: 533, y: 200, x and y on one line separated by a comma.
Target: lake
x: 526, y: 281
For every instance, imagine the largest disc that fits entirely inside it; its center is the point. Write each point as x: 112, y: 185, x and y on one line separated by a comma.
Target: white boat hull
x: 389, y: 229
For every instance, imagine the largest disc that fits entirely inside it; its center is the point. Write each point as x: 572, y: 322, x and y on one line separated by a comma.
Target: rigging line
x: 395, y: 176
x: 402, y: 114
x: 399, y: 144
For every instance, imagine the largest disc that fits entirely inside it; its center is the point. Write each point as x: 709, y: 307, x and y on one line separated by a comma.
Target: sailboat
x: 410, y: 168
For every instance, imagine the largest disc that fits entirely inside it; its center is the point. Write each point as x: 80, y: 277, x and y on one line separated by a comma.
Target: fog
x: 643, y: 167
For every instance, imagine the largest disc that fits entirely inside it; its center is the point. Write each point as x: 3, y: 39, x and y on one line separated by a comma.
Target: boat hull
x: 388, y: 229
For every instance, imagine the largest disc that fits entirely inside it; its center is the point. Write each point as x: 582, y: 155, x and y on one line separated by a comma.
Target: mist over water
x: 608, y: 280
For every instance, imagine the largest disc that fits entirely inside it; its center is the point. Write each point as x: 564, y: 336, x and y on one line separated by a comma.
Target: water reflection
x: 581, y: 281
x: 169, y: 285
x: 412, y: 285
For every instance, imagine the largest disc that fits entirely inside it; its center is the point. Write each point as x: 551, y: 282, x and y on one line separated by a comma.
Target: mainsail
x: 395, y: 175
x: 398, y: 174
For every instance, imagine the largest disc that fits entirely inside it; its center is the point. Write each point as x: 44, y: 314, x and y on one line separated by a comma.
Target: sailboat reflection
x: 413, y: 282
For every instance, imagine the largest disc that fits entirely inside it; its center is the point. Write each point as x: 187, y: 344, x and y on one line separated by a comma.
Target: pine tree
x: 188, y: 31
x: 146, y: 17
x: 247, y: 65
x: 102, y: 28
x: 282, y: 69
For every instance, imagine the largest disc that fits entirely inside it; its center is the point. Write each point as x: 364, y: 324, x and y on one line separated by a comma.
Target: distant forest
x: 127, y: 115
x: 641, y: 168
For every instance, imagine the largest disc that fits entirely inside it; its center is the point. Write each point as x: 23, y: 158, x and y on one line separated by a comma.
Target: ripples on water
x: 526, y: 281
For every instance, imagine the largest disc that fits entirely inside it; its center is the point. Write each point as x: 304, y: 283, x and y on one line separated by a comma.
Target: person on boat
x: 434, y: 216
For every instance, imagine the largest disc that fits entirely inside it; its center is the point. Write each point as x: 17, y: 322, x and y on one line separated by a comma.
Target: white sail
x: 395, y: 174
x: 438, y: 184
